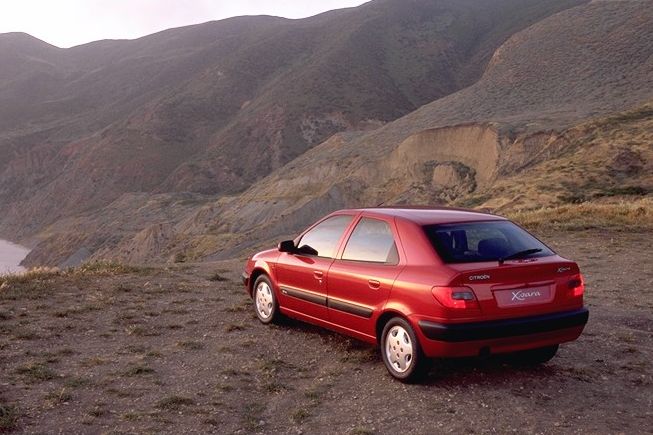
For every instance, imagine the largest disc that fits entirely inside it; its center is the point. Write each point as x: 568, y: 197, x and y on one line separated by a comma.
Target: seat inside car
x: 494, y: 247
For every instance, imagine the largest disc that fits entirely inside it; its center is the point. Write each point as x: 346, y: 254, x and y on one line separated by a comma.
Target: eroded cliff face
x: 433, y: 166
x: 444, y: 163
x: 473, y: 146
x: 472, y: 165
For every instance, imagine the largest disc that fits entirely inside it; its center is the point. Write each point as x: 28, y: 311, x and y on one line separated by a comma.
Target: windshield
x: 483, y: 241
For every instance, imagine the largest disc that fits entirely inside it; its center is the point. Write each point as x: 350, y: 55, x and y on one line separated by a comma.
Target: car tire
x: 401, y: 351
x: 265, y: 301
x: 533, y: 357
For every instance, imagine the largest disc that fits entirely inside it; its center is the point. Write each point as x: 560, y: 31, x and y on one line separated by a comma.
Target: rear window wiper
x: 520, y: 254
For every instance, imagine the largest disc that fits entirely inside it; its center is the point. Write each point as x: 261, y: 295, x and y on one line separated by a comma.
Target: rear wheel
x: 265, y: 302
x: 533, y: 357
x: 401, y: 351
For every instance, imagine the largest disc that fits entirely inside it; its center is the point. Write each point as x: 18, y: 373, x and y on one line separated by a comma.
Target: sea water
x: 11, y: 255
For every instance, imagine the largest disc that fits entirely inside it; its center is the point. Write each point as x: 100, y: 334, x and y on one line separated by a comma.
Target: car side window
x: 372, y: 241
x: 324, y: 236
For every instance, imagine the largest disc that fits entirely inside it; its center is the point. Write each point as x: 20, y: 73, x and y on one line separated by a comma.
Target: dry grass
x: 34, y: 283
x: 174, y: 403
x: 190, y: 345
x: 109, y: 268
x: 100, y: 268
x: 36, y: 274
x: 217, y: 277
x: 35, y: 372
x: 8, y: 417
x: 58, y: 397
x: 635, y: 215
x: 138, y: 370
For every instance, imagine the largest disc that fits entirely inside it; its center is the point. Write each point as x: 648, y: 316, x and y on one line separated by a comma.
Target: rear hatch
x: 520, y: 288
x: 511, y: 273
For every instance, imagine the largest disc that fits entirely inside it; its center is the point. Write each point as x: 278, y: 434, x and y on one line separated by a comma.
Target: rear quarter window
x: 371, y: 241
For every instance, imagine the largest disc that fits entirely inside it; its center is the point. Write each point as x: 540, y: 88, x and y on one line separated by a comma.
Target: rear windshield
x: 482, y: 241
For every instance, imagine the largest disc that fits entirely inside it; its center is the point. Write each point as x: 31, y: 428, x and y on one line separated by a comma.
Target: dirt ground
x: 179, y: 350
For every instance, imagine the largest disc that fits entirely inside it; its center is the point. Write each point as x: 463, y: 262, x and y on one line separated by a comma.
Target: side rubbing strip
x: 356, y: 310
x: 304, y: 295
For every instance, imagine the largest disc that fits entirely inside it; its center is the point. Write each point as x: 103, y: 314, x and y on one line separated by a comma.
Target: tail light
x: 456, y: 297
x: 576, y: 286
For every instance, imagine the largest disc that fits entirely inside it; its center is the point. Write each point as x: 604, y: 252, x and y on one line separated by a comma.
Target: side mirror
x: 287, y: 246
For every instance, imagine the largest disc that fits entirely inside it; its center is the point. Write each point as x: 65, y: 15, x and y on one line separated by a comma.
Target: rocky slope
x: 507, y: 159
x: 213, y: 108
x: 570, y: 84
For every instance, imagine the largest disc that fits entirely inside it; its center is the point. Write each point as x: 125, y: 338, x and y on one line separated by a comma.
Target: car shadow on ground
x: 497, y: 369
x: 494, y: 369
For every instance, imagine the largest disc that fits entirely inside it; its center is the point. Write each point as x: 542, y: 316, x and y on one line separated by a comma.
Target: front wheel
x: 401, y: 351
x: 265, y: 302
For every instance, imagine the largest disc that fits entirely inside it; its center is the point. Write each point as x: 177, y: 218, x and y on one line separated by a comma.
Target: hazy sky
x: 71, y: 22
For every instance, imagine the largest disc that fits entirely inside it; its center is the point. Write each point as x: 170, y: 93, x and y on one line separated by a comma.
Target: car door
x: 359, y: 282
x: 302, y: 277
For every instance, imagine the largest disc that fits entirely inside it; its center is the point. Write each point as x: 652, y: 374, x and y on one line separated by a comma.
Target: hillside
x: 502, y: 158
x: 506, y: 107
x: 177, y: 111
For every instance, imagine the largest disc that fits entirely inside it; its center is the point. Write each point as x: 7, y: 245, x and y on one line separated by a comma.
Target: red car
x: 423, y: 283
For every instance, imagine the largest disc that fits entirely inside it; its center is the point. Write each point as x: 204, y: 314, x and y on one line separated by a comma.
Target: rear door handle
x: 374, y: 284
x: 318, y: 274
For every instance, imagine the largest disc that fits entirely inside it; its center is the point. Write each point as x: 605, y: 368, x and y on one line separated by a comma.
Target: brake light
x: 456, y: 297
x: 577, y: 286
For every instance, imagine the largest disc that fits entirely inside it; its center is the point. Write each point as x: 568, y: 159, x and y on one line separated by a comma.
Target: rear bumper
x: 498, y: 336
x: 503, y: 328
x: 245, y: 279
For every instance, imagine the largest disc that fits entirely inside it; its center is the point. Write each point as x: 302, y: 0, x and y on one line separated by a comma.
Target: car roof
x: 430, y: 215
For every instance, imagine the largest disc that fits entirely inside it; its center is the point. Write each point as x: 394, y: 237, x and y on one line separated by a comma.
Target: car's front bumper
x: 498, y: 336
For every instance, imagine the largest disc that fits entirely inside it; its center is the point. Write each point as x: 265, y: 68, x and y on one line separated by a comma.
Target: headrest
x: 495, y: 247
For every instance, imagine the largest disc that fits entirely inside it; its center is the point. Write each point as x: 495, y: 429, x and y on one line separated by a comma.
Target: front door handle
x: 374, y: 284
x: 318, y: 274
